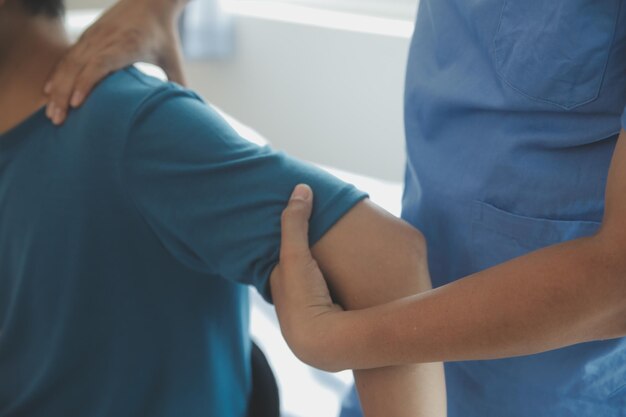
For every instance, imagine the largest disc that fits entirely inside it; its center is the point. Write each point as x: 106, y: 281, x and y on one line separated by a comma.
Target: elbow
x: 416, y: 262
x: 405, y: 269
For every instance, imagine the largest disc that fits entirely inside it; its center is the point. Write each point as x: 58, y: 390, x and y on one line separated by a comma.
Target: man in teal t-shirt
x: 126, y: 232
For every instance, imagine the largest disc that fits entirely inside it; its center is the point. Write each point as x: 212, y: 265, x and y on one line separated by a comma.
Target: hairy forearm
x: 558, y: 296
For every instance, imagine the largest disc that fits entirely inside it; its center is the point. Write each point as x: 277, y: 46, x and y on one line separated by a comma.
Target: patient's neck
x: 26, y: 60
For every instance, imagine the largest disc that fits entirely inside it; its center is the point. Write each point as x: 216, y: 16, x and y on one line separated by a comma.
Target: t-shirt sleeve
x: 213, y: 198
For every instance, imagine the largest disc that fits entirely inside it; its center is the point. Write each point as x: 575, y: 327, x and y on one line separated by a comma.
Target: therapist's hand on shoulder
x: 130, y: 31
x: 306, y: 312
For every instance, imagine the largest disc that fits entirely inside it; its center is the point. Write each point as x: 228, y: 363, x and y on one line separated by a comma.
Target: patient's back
x: 125, y: 236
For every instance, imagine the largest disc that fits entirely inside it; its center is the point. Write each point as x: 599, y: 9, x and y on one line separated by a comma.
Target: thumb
x: 294, y: 244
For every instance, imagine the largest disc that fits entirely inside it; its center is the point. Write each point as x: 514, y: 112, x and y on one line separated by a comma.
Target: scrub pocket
x: 498, y: 236
x: 555, y: 51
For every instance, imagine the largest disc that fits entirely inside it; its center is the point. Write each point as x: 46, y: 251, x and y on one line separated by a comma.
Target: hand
x: 307, y: 315
x: 131, y: 31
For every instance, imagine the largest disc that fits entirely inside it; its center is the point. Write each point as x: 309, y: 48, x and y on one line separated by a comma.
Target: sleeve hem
x: 326, y: 217
x: 334, y: 209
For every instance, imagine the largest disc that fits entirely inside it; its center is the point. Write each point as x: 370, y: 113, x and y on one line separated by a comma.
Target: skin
x: 130, y: 31
x: 20, y: 69
x: 558, y: 296
x: 365, y: 245
x: 370, y: 257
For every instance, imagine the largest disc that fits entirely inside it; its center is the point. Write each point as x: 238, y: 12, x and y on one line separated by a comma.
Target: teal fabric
x: 128, y: 239
x: 512, y: 110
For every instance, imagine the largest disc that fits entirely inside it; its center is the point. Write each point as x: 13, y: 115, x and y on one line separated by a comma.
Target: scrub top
x: 129, y: 237
x: 512, y: 110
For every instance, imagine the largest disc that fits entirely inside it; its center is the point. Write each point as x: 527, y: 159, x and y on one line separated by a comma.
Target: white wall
x: 87, y: 4
x: 326, y: 95
x: 330, y: 96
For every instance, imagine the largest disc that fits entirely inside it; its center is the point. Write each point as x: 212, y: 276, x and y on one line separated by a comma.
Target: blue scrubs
x: 512, y: 110
x: 128, y: 237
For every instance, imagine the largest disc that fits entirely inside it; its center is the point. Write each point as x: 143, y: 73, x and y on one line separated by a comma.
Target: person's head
x: 18, y: 17
x: 48, y: 8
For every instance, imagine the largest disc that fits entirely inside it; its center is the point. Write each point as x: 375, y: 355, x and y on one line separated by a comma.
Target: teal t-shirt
x: 125, y: 237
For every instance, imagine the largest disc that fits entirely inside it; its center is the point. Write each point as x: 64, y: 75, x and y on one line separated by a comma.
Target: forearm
x: 558, y: 296
x: 410, y: 390
x: 169, y: 56
x: 369, y: 275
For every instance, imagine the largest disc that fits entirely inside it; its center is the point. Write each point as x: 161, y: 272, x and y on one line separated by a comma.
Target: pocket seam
x: 616, y: 391
x: 493, y: 219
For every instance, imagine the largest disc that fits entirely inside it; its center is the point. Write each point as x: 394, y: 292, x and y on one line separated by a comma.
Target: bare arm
x: 554, y: 297
x: 369, y: 258
x: 130, y: 31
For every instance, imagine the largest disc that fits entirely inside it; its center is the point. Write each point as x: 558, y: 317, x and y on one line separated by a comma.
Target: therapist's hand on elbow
x: 310, y: 322
x: 131, y: 31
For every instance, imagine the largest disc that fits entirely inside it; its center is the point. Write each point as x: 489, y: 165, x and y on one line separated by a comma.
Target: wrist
x: 167, y: 11
x: 318, y: 340
x: 172, y: 5
x: 177, y: 5
x: 339, y: 342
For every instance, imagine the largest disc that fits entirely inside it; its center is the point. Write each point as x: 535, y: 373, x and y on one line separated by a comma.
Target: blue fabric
x: 512, y: 110
x: 125, y: 236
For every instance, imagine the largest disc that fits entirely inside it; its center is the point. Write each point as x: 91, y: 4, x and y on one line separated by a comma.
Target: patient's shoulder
x: 127, y: 90
x: 102, y: 125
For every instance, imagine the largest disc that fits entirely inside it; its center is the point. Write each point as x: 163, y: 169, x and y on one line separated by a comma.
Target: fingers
x: 94, y: 72
x: 76, y: 76
x: 295, y: 227
x: 81, y: 70
x: 61, y: 85
x: 128, y: 32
